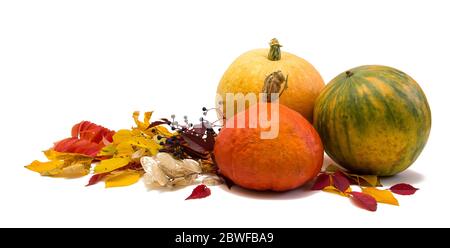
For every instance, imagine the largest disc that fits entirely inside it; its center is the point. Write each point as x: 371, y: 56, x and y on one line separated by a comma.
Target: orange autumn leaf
x: 382, y: 196
x: 49, y: 168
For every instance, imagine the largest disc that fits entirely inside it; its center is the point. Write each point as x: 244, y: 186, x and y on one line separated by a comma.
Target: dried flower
x: 163, y: 170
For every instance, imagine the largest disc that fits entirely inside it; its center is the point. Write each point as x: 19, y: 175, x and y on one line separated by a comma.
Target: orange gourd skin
x: 247, y: 73
x: 283, y: 163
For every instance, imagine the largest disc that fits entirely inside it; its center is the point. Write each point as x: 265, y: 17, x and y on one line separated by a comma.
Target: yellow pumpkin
x: 250, y: 71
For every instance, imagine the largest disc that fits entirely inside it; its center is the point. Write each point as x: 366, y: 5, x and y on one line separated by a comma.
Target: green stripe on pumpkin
x: 376, y: 121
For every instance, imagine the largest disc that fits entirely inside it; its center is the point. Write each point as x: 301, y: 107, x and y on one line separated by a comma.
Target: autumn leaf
x: 111, y: 164
x: 201, y: 191
x: 332, y: 189
x: 61, y: 164
x: 370, y: 195
x: 381, y: 196
x: 144, y: 142
x: 364, y: 201
x: 371, y: 180
x: 54, y: 155
x: 194, y: 141
x: 146, y: 123
x: 89, y: 131
x: 340, y: 181
x: 80, y: 146
x: 107, y: 151
x: 322, y: 181
x: 122, y: 178
x: 118, y: 152
x: 121, y: 136
x: 355, y: 179
x: 60, y: 168
x: 96, y: 178
x: 49, y: 168
x: 124, y: 149
x: 403, y: 189
x: 87, y: 139
x: 157, y: 123
x: 75, y: 170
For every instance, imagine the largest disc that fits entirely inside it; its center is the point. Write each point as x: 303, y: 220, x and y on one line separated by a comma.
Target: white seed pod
x: 191, y: 165
x: 183, y: 181
x: 159, y: 175
x: 174, y: 169
x: 147, y: 163
x: 212, y: 180
x: 166, y: 161
x: 148, y: 179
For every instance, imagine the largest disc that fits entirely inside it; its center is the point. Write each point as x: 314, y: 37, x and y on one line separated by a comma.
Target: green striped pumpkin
x: 373, y: 120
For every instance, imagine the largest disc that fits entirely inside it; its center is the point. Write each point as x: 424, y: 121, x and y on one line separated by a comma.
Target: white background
x: 66, y: 61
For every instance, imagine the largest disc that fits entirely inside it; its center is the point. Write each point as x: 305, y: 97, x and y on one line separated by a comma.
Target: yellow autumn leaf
x: 45, y: 168
x: 122, y: 136
x: 370, y: 179
x: 382, y: 196
x: 332, y: 189
x: 124, y: 150
x: 111, y: 164
x: 146, y: 143
x: 54, y: 155
x: 142, y: 125
x: 122, y: 178
x: 107, y: 151
x: 74, y: 170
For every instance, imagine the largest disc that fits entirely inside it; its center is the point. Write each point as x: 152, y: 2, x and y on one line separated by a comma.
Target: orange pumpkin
x: 248, y: 72
x: 286, y: 162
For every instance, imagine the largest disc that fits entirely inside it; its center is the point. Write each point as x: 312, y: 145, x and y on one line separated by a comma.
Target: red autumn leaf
x: 403, y: 189
x: 199, y: 128
x: 364, y: 201
x: 210, y: 139
x: 87, y: 139
x: 75, y: 145
x: 193, y: 153
x: 96, y: 178
x: 201, y: 191
x: 92, y: 132
x: 195, y: 141
x: 340, y: 181
x: 322, y: 181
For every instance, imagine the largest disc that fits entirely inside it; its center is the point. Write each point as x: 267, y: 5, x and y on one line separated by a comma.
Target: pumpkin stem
x: 274, y: 52
x: 349, y: 73
x: 272, y: 85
